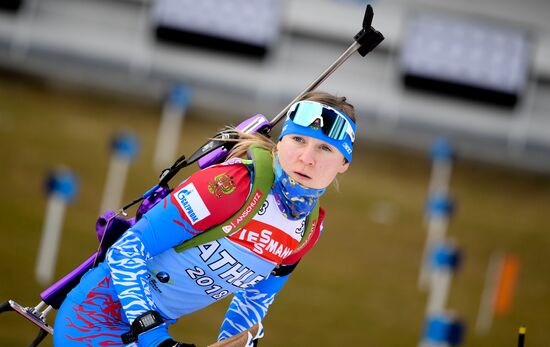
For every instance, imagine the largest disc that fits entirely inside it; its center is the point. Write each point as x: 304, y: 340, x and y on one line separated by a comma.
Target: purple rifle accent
x: 151, y: 200
x: 251, y: 125
x: 56, y: 293
x: 109, y: 227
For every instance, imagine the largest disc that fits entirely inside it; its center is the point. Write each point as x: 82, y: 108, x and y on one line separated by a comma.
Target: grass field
x: 357, y: 288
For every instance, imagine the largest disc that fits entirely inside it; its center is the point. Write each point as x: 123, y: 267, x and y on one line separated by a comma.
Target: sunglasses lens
x: 305, y: 113
x: 332, y: 124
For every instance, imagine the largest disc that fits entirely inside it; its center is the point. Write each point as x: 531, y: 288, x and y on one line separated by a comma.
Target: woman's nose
x: 307, y: 156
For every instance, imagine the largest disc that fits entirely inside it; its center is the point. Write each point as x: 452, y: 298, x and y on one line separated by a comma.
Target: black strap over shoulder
x: 284, y: 270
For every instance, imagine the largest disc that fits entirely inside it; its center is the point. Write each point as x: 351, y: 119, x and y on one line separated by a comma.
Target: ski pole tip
x: 367, y: 19
x: 521, y: 335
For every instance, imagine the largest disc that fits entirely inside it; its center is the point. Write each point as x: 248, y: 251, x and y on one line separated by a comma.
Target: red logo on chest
x: 265, y: 240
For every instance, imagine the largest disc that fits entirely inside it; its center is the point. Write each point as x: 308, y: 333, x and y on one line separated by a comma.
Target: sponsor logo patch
x: 223, y: 185
x: 316, y: 124
x: 347, y: 148
x: 246, y: 211
x: 265, y: 240
x: 163, y: 277
x: 191, y: 203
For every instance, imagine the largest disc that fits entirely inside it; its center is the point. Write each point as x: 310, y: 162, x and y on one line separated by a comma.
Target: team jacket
x: 149, y: 274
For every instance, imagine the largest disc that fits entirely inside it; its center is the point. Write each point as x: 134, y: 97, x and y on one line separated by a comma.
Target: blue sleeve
x: 127, y: 258
x: 249, y: 306
x: 167, y: 225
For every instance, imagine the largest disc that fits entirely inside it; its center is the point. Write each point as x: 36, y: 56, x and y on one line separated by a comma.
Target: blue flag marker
x: 445, y: 260
x: 443, y: 330
x: 124, y: 149
x: 439, y: 210
x: 62, y: 188
x: 170, y: 126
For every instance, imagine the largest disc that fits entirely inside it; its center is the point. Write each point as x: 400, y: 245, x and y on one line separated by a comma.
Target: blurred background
x: 453, y: 154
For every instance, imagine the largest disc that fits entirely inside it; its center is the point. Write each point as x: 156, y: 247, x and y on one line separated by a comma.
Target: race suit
x: 142, y: 270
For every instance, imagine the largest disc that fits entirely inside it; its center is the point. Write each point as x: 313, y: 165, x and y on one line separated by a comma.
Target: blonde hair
x: 339, y: 102
x: 245, y: 140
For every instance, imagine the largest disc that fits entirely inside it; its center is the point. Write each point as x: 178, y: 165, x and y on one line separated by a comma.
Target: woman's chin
x: 300, y: 180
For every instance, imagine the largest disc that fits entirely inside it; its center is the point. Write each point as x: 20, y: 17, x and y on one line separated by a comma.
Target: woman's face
x: 310, y: 161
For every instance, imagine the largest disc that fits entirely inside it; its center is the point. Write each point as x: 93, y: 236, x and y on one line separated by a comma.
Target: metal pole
x: 352, y: 49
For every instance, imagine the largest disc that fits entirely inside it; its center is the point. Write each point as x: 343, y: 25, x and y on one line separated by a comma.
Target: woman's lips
x: 301, y: 175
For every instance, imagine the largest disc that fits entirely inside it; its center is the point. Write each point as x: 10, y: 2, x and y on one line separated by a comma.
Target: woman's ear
x: 344, y: 167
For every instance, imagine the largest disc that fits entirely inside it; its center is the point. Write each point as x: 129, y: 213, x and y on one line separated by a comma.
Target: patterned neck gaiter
x: 293, y: 199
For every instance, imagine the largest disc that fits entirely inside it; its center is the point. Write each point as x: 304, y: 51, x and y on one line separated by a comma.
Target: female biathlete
x: 148, y: 280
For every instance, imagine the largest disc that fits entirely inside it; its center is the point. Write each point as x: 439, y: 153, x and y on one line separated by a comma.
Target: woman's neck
x: 293, y: 199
